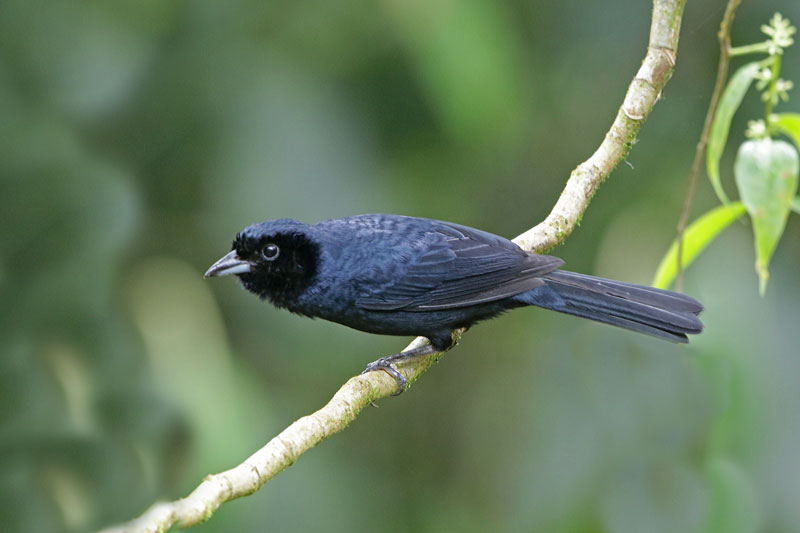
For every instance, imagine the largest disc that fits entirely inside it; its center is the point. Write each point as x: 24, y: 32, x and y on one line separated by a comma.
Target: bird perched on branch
x: 397, y: 275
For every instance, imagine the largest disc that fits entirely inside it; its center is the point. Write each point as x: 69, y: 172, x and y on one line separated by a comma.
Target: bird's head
x: 276, y: 259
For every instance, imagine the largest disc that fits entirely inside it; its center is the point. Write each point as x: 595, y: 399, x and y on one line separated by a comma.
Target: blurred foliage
x: 138, y: 136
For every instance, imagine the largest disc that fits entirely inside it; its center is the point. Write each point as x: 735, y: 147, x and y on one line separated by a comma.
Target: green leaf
x: 728, y: 104
x: 766, y: 175
x: 696, y: 237
x: 789, y: 123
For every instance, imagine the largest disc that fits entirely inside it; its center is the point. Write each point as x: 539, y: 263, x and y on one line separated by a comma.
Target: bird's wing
x: 460, y: 267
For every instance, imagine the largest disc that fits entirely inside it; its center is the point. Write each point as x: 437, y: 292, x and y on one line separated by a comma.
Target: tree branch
x: 361, y: 390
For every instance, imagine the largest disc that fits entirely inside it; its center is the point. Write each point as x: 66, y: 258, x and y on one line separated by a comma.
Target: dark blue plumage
x: 397, y: 275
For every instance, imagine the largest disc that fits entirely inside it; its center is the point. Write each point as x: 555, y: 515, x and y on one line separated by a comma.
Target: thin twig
x: 724, y: 36
x: 361, y: 390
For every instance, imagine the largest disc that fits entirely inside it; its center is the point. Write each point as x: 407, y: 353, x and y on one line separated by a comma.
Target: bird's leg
x: 387, y: 364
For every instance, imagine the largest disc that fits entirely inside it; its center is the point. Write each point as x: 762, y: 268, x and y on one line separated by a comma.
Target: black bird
x: 397, y: 275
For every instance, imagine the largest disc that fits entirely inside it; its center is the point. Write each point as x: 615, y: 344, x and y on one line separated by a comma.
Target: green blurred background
x: 137, y: 137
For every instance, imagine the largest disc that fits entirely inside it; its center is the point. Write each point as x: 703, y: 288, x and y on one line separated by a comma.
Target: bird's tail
x: 665, y: 314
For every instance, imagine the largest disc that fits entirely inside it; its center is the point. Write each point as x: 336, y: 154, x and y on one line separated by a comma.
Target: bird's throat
x: 283, y: 281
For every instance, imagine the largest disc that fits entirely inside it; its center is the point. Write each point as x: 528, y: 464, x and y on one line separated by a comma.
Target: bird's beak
x: 230, y: 264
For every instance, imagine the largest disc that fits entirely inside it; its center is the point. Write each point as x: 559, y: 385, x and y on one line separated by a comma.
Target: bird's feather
x: 460, y: 267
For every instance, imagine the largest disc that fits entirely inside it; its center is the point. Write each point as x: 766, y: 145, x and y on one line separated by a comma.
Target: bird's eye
x: 270, y: 252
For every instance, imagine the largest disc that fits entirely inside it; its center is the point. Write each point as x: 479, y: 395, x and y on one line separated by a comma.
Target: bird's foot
x: 387, y: 364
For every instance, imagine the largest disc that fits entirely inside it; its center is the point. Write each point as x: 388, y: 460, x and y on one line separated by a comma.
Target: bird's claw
x: 385, y: 364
